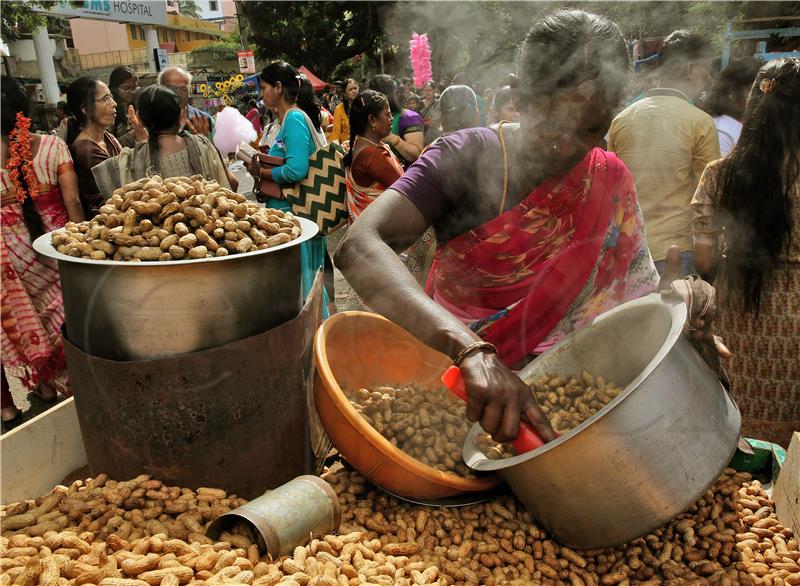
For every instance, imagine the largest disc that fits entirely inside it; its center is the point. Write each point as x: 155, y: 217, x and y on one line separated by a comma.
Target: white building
x: 210, y: 9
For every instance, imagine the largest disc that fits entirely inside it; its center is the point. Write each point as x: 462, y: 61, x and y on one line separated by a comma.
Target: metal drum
x: 146, y: 310
x: 648, y: 454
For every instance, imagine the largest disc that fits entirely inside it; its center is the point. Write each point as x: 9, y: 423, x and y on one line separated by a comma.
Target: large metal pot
x: 146, y: 310
x: 648, y: 454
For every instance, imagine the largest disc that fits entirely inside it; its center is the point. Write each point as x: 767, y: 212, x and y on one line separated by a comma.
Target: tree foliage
x: 319, y: 35
x: 23, y: 17
x: 188, y: 8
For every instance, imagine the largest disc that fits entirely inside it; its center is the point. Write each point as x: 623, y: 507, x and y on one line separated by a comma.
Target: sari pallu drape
x: 515, y: 277
x: 31, y: 307
x: 358, y: 198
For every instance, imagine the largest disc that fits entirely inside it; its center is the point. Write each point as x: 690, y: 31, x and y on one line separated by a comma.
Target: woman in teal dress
x: 289, y: 95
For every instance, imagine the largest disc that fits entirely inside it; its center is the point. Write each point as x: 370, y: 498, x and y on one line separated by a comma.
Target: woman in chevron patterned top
x: 283, y: 91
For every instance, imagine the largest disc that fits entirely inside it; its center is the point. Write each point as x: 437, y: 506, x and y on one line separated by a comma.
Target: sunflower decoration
x: 223, y: 89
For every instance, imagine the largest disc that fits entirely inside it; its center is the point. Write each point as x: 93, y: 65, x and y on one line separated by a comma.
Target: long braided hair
x: 16, y: 100
x: 159, y: 110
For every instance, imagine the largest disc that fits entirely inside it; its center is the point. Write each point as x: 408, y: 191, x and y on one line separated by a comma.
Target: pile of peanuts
x: 428, y: 424
x: 566, y: 401
x: 75, y: 536
x: 155, y: 219
x: 569, y: 401
x: 497, y: 542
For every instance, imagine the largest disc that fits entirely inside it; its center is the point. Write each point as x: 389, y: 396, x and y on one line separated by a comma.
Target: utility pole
x: 243, y: 29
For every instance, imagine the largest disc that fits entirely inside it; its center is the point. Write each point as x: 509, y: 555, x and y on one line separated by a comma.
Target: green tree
x: 319, y: 35
x: 23, y: 17
x: 188, y: 8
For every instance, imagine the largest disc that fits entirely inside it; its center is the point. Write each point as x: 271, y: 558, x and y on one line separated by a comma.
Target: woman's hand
x: 700, y: 299
x: 498, y: 398
x: 139, y: 131
x: 254, y: 167
x: 198, y: 125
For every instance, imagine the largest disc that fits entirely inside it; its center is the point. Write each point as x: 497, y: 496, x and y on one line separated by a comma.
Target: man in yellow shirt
x: 666, y: 142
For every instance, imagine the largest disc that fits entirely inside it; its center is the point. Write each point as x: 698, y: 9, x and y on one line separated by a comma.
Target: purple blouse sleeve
x: 422, y: 183
x: 410, y: 121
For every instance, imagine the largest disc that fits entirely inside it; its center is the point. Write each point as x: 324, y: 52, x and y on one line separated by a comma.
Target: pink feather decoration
x: 420, y: 54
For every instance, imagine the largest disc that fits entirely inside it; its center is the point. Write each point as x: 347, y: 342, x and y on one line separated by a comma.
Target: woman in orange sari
x: 539, y: 229
x: 370, y: 165
x: 39, y: 194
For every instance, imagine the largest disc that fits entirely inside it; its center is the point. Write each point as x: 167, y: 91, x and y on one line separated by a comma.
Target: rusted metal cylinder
x: 234, y: 417
x: 287, y: 516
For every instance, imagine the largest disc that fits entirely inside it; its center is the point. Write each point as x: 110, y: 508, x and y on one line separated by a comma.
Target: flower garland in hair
x: 20, y: 161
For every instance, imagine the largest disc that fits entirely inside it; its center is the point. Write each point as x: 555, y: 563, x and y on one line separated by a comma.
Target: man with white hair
x: 193, y: 119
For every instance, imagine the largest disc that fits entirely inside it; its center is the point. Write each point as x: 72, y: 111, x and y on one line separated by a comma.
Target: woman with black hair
x: 93, y: 111
x: 39, y: 194
x: 290, y: 95
x: 370, y: 166
x: 503, y: 109
x: 747, y: 219
x: 169, y: 151
x: 124, y: 86
x: 430, y: 112
x: 407, y: 137
x: 538, y: 230
x: 727, y: 99
x: 341, y: 114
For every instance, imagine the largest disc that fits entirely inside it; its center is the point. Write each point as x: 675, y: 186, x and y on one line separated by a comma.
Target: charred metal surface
x: 233, y: 417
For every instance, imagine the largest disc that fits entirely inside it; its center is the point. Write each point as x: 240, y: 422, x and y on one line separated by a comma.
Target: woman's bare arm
x: 410, y: 146
x: 368, y: 258
x: 68, y: 182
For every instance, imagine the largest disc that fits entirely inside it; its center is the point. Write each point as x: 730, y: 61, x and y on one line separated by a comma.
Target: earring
x: 555, y: 147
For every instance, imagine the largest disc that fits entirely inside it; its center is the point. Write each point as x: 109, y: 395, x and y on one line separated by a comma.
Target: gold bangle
x: 477, y: 345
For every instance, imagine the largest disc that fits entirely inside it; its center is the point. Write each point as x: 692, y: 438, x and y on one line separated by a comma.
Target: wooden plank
x: 787, y: 487
x: 37, y: 455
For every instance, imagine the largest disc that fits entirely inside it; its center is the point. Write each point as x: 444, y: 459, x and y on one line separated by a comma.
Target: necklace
x: 98, y: 141
x: 370, y: 141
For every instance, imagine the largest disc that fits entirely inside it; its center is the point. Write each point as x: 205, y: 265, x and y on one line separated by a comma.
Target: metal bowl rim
x: 43, y: 245
x: 474, y: 457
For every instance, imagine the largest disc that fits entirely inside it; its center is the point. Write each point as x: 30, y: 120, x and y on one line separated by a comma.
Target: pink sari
x: 30, y: 305
x: 516, y: 277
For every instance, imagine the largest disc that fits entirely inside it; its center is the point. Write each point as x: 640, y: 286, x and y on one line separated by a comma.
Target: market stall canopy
x: 316, y: 82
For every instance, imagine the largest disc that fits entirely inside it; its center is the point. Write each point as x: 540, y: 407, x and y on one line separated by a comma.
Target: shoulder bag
x: 322, y: 196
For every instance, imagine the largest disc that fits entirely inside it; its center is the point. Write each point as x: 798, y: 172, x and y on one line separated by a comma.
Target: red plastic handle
x: 527, y: 439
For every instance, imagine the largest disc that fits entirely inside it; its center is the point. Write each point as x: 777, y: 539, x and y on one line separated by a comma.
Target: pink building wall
x: 228, y: 8
x: 97, y: 36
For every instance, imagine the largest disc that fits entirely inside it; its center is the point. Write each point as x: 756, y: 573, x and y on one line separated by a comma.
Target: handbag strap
x: 310, y: 125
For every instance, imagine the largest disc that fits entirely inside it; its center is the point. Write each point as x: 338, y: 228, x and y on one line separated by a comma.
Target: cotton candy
x: 420, y: 55
x: 232, y: 128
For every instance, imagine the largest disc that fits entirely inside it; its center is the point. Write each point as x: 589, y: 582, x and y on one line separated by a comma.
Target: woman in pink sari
x: 39, y: 194
x: 539, y: 229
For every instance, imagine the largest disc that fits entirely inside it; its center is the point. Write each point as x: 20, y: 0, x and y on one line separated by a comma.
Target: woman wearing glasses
x: 93, y: 111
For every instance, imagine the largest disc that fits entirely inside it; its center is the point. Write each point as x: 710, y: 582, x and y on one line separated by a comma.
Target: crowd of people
x: 491, y: 223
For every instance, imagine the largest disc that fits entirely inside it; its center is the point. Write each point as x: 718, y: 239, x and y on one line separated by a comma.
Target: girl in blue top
x: 290, y: 96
